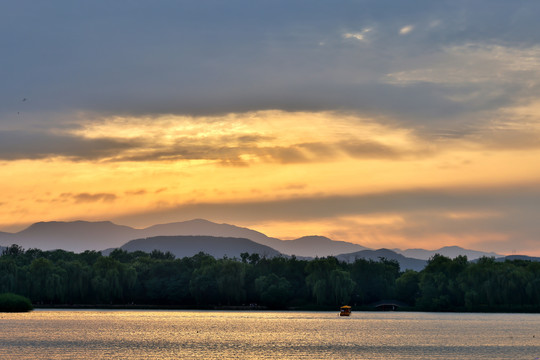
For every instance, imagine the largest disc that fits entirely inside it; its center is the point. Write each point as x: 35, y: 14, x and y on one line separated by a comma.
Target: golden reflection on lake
x: 101, y: 334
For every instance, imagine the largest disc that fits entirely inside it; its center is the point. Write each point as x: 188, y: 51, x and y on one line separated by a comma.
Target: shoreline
x: 263, y: 308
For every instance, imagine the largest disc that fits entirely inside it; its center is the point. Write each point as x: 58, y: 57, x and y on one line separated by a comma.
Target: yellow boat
x: 345, y: 311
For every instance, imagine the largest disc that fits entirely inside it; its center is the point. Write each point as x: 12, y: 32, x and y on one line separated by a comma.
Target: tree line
x: 158, y: 278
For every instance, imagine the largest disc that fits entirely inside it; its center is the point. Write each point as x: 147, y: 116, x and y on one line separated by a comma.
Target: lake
x: 134, y: 334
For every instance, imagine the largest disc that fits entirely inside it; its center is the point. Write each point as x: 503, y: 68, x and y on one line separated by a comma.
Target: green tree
x: 320, y: 282
x: 440, y: 284
x: 203, y: 285
x: 375, y: 280
x: 341, y: 285
x: 13, y: 250
x: 113, y: 281
x: 8, y: 275
x: 273, y: 291
x: 230, y: 281
x: 48, y: 282
x: 407, y: 288
x: 14, y: 303
x: 78, y: 279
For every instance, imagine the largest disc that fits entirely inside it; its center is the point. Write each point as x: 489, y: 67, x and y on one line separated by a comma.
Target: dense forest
x: 137, y: 278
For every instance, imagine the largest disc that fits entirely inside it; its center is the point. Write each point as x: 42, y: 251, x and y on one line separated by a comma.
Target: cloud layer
x: 276, y: 112
x: 188, y: 57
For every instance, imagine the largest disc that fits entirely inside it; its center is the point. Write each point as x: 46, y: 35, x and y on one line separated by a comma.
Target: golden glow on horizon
x: 378, y: 231
x: 263, y: 156
x: 270, y: 127
x: 473, y: 215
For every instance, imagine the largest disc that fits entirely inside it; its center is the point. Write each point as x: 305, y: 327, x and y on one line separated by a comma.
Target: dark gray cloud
x: 136, y: 192
x: 88, y: 197
x: 32, y: 145
x: 230, y: 154
x: 139, y: 57
x: 370, y: 149
x: 512, y: 140
x: 16, y: 145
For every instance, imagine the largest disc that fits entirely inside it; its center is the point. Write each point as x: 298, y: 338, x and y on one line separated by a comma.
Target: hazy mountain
x: 71, y: 236
x: 404, y: 262
x: 182, y: 246
x: 83, y: 235
x: 448, y: 251
x: 5, y: 238
x: 313, y: 246
x: 208, y: 228
x: 518, y: 257
x: 308, y: 246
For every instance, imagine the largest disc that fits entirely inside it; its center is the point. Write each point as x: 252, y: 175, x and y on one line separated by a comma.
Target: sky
x: 387, y: 123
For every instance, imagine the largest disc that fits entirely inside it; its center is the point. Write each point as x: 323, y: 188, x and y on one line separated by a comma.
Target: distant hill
x: 307, y: 246
x: 448, y: 251
x: 78, y: 236
x: 71, y: 236
x: 313, y: 246
x: 208, y: 228
x: 182, y: 246
x: 405, y: 263
x: 6, y: 239
x: 518, y: 257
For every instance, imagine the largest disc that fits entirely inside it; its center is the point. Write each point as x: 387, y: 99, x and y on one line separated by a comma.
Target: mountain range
x: 187, y: 246
x: 405, y: 263
x: 189, y: 237
x: 78, y: 236
x: 448, y: 251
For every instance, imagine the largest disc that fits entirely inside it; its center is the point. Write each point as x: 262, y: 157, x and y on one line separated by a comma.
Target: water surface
x: 69, y: 334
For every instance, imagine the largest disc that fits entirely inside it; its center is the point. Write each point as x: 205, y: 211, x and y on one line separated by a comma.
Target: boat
x: 345, y: 310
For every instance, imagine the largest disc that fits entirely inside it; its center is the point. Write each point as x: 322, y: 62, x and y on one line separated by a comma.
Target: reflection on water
x: 100, y: 334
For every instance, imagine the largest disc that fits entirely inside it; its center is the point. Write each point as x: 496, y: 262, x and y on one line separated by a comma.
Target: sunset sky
x: 396, y: 124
